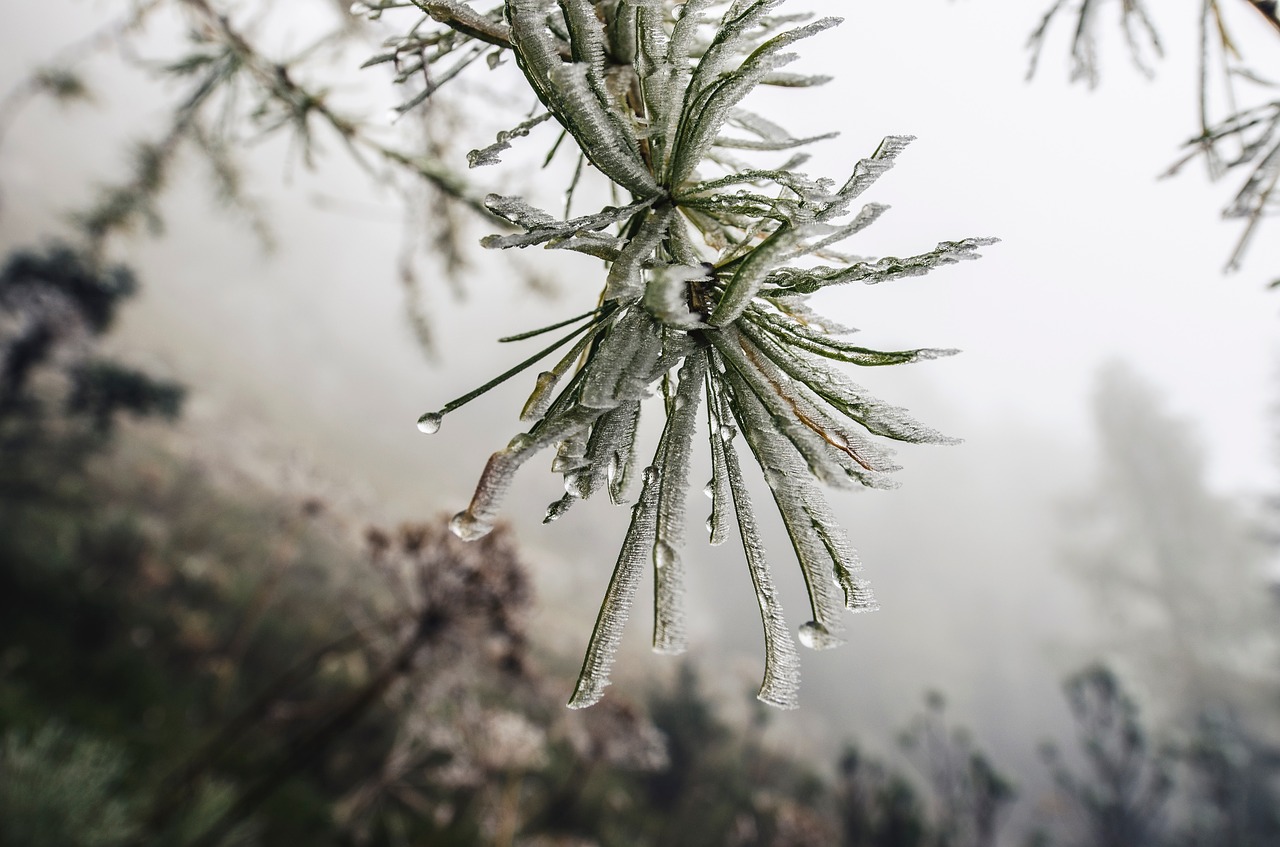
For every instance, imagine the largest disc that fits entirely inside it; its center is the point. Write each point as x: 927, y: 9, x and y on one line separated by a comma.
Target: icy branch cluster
x: 708, y: 267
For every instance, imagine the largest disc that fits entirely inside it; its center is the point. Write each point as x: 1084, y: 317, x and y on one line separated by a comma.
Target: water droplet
x: 430, y: 422
x: 715, y: 540
x: 520, y: 443
x: 651, y: 475
x: 360, y: 8
x: 710, y: 488
x: 664, y: 555
x: 468, y: 527
x: 556, y: 509
x: 614, y: 468
x: 815, y: 636
x: 727, y: 433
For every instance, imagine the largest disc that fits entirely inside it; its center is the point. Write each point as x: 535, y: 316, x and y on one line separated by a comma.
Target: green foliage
x: 60, y: 789
x: 707, y: 267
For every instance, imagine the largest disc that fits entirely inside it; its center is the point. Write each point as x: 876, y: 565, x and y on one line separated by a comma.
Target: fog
x: 303, y: 364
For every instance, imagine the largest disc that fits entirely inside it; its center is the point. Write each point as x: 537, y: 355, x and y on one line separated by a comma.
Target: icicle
x: 623, y: 461
x: 808, y: 280
x: 542, y: 228
x: 625, y: 282
x: 718, y: 488
x: 792, y: 490
x: 625, y: 363
x: 781, y: 684
x: 489, y: 155
x: 616, y: 607
x: 674, y: 460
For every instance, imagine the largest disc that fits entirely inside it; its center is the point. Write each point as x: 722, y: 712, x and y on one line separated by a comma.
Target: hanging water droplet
x: 710, y: 488
x: 664, y: 555
x: 727, y: 433
x: 715, y: 540
x: 467, y: 527
x: 651, y: 475
x: 815, y: 636
x: 556, y: 509
x: 430, y: 422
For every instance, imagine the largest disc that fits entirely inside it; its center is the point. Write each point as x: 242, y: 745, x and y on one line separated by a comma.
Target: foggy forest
x: 906, y: 374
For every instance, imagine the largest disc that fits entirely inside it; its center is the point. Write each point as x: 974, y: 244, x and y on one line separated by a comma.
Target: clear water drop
x: 556, y: 509
x: 664, y: 555
x: 575, y: 484
x: 430, y: 422
x: 727, y: 433
x: 815, y: 636
x: 467, y: 527
x: 651, y: 475
x: 710, y: 488
x: 360, y: 9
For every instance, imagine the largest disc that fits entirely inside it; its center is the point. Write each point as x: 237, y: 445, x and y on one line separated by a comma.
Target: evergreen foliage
x: 708, y: 266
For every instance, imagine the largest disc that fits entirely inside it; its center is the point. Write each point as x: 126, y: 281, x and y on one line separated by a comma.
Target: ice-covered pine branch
x: 707, y: 267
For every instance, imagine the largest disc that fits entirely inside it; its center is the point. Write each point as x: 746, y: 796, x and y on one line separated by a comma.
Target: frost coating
x: 709, y: 259
x: 674, y: 452
x: 781, y: 684
x: 607, y: 634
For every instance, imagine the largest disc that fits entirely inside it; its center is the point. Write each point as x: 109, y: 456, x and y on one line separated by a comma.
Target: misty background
x: 304, y: 368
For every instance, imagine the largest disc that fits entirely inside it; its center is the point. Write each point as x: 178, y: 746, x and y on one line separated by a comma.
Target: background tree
x: 1238, y: 114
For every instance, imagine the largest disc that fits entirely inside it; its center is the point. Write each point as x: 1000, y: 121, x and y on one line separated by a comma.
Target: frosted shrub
x: 707, y: 267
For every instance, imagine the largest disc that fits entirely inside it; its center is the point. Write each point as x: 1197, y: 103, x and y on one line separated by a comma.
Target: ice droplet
x: 710, y: 488
x: 429, y: 422
x: 727, y: 433
x: 815, y: 636
x: 555, y: 510
x: 714, y: 540
x: 467, y: 527
x: 651, y: 475
x: 664, y: 555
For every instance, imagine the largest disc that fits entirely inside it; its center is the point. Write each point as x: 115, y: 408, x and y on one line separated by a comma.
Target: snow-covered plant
x: 708, y: 264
